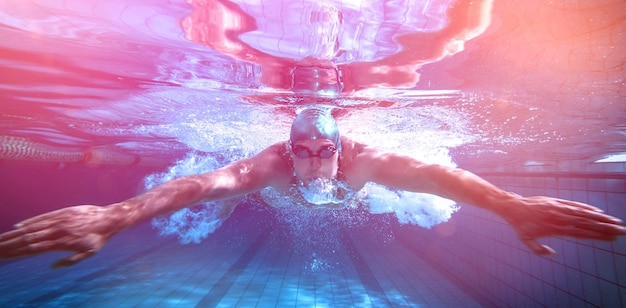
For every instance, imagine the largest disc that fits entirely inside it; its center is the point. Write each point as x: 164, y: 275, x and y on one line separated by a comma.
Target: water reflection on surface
x: 140, y: 78
x: 333, y: 48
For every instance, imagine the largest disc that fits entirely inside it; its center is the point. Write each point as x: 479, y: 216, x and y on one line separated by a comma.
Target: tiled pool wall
x: 483, y: 255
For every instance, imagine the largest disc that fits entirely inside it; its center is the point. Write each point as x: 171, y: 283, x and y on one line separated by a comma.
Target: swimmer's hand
x: 537, y: 217
x: 82, y: 229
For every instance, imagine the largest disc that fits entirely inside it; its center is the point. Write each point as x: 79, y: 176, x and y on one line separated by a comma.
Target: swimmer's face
x: 314, y: 166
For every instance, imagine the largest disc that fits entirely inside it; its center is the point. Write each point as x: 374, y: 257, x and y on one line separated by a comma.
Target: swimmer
x: 315, y: 155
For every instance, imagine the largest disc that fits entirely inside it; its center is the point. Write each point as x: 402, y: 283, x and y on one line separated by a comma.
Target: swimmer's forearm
x: 467, y: 188
x: 233, y: 180
x: 163, y: 199
x: 406, y: 173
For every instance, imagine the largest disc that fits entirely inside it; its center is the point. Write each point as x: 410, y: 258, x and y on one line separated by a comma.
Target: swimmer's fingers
x: 544, y: 216
x: 575, y: 226
x: 563, y: 211
x: 588, y: 224
x: 587, y: 231
x: 580, y: 205
x: 26, y: 238
x: 20, y: 242
x: 538, y: 217
x: 73, y: 259
x: 84, y: 248
x: 9, y: 241
x: 82, y: 230
x: 539, y: 249
x: 7, y: 238
x: 30, y: 230
x: 44, y: 219
x: 587, y: 218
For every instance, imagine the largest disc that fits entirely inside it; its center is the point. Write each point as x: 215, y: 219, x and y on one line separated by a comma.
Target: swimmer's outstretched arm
x: 532, y: 217
x: 84, y: 229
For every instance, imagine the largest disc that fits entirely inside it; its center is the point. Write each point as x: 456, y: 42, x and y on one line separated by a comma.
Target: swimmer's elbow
x: 231, y: 182
x: 220, y: 187
x: 429, y: 178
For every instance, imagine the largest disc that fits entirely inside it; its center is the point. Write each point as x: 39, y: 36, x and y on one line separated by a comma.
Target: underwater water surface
x: 100, y: 101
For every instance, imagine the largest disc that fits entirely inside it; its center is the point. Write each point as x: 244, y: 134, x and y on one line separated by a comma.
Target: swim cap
x: 313, y: 123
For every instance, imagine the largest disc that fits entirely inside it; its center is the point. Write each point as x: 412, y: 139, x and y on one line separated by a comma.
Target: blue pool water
x: 101, y: 100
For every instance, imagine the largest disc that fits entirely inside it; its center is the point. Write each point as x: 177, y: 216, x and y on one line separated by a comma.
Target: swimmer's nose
x: 316, y: 162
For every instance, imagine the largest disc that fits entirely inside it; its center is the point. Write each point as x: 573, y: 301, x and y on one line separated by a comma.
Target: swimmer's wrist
x: 122, y: 216
x: 501, y: 203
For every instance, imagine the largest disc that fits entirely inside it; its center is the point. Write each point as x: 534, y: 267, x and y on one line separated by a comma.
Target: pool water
x: 100, y: 101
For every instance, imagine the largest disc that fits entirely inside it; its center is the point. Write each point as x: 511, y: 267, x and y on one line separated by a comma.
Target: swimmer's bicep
x: 399, y: 172
x: 244, y: 176
x: 233, y: 180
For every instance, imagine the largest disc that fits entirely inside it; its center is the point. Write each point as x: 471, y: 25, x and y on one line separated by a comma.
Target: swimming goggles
x: 304, y: 152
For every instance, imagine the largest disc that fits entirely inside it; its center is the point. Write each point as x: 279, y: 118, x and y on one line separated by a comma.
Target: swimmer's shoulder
x: 275, y: 155
x: 351, y: 148
x: 275, y: 160
x: 358, y: 160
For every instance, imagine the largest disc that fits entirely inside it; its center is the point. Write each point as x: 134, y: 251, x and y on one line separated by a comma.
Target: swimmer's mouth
x: 319, y: 191
x: 315, y: 179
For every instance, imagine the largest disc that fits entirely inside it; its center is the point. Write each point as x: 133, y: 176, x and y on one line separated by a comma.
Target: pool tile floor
x: 244, y: 264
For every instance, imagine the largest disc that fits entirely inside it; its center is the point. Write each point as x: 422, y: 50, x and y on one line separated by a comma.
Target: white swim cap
x: 314, y: 123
